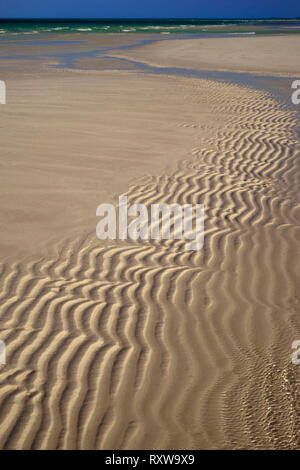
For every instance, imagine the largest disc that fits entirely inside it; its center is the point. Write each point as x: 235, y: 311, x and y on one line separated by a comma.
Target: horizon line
x: 147, y: 18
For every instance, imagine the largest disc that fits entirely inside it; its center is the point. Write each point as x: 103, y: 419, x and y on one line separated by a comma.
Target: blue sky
x: 148, y: 8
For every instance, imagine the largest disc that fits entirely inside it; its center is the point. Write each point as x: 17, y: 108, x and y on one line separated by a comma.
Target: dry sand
x: 134, y: 345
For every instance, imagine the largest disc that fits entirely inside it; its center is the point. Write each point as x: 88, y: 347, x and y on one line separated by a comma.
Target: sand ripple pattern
x: 146, y: 345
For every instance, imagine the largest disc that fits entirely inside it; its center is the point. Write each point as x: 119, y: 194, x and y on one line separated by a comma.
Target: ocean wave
x: 246, y: 33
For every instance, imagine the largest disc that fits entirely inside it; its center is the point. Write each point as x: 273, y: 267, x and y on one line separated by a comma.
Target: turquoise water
x: 146, y: 26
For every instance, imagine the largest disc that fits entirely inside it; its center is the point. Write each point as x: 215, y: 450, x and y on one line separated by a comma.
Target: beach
x: 141, y: 344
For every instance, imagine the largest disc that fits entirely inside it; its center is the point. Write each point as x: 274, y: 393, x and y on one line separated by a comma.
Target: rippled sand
x: 144, y: 345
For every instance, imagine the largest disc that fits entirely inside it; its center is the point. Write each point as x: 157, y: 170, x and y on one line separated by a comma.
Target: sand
x: 268, y: 55
x: 71, y: 141
x: 142, y: 344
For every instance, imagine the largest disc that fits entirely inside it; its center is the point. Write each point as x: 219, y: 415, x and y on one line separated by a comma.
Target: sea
x: 158, y: 26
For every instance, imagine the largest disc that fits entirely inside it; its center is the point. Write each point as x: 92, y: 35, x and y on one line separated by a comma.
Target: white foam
x: 238, y: 34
